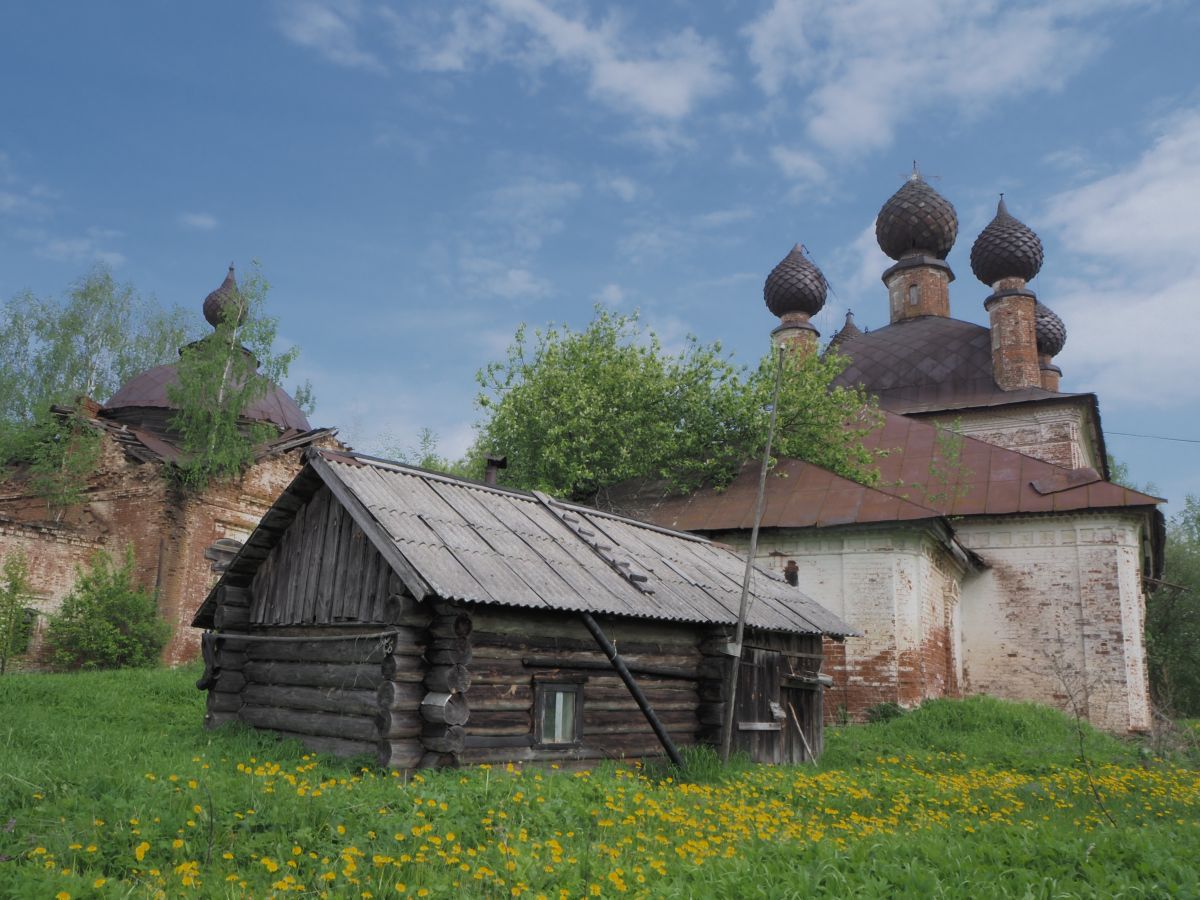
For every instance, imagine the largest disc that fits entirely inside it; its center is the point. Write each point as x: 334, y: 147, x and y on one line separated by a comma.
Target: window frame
x: 542, y: 689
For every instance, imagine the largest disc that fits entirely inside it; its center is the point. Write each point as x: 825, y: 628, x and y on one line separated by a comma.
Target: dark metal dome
x: 1007, y: 248
x: 1050, y: 330
x: 219, y: 300
x: 149, y: 390
x: 916, y: 220
x: 848, y: 331
x: 795, y: 286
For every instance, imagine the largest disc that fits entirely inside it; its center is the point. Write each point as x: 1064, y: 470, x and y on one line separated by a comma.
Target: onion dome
x: 916, y: 221
x: 795, y: 286
x: 1050, y: 330
x: 1007, y: 248
x: 219, y: 300
x: 848, y: 331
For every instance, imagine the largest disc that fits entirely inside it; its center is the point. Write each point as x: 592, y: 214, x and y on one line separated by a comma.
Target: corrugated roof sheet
x: 482, y: 544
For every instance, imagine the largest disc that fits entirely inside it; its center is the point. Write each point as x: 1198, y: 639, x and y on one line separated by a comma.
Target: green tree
x: 108, y: 621
x: 220, y: 377
x: 14, y: 591
x: 89, y: 343
x: 1173, y: 617
x: 55, y: 351
x: 577, y: 411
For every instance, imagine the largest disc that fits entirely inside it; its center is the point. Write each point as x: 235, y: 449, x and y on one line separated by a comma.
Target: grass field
x: 110, y: 787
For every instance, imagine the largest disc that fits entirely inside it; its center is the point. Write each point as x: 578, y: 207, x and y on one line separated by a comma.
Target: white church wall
x: 898, y: 587
x: 1058, y: 616
x: 1056, y: 432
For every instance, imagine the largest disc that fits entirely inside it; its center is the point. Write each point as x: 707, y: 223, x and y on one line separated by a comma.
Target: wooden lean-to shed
x: 431, y: 621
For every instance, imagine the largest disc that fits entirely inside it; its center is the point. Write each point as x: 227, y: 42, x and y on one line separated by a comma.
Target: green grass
x: 109, y: 786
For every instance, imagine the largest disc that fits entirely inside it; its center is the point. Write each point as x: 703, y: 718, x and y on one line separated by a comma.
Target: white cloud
x: 89, y: 248
x: 1134, y: 233
x: 198, y: 221
x: 330, y: 28
x: 530, y: 209
x: 625, y: 188
x: 610, y: 295
x: 798, y: 165
x: 860, y: 67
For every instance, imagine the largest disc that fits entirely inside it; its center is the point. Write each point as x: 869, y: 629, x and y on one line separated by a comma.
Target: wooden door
x: 802, y: 730
x: 759, y: 718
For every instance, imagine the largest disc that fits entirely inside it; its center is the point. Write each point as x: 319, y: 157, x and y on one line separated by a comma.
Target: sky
x: 417, y: 179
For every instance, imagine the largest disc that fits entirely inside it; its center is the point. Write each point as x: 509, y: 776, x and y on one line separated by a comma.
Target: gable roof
x: 476, y: 543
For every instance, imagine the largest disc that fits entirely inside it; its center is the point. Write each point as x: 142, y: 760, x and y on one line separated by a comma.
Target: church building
x: 181, y: 540
x: 993, y: 554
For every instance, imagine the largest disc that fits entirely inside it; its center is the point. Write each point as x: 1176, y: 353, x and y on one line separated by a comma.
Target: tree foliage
x: 55, y: 351
x: 89, y: 343
x: 1173, y: 618
x: 108, y: 621
x: 578, y: 411
x: 14, y: 592
x: 220, y: 377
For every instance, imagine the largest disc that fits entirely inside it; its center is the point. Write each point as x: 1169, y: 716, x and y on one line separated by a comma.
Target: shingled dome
x: 218, y: 301
x: 142, y: 400
x: 1050, y: 330
x: 1007, y: 248
x: 915, y: 221
x: 795, y: 286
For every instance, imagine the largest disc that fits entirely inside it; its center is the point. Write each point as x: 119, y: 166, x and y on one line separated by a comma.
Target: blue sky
x: 418, y: 179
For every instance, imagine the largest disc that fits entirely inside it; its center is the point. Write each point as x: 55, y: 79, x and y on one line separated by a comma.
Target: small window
x: 558, y: 714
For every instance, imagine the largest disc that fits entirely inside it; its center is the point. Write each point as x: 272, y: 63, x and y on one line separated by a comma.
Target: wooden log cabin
x: 432, y: 621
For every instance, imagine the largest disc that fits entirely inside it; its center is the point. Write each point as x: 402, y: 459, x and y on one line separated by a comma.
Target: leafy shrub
x: 884, y: 712
x: 107, y: 621
x: 14, y: 623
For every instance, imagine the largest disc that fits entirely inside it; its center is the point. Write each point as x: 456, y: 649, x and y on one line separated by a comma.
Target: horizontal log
x: 484, y: 741
x: 404, y: 754
x: 400, y: 695
x: 448, y: 657
x: 231, y: 616
x: 595, y: 718
x: 498, y: 719
x: 501, y: 646
x: 234, y: 660
x: 218, y: 702
x: 455, y: 626
x: 449, y: 679
x: 442, y: 708
x: 229, y: 681
x: 365, y: 651
x: 364, y: 676
x: 395, y: 724
x: 462, y: 645
x: 576, y: 662
x: 227, y: 595
x: 711, y: 713
x: 326, y: 699
x: 309, y: 722
x: 445, y: 740
x: 675, y: 729
x: 398, y: 666
x: 524, y: 623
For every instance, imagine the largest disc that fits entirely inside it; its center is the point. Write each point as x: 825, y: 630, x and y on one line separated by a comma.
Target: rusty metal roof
x: 482, y: 544
x: 917, y: 481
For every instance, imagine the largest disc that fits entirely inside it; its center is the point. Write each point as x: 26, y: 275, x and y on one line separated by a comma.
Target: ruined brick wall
x: 1058, y: 617
x: 1059, y: 433
x: 223, y: 511
x: 896, y: 585
x: 131, y: 503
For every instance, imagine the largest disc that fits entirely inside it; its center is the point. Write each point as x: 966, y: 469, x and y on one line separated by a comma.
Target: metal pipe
x: 634, y: 688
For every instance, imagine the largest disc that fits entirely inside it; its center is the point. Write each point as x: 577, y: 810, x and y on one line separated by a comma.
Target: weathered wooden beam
x: 455, y: 626
x: 448, y: 739
x: 309, y: 722
x: 333, y: 745
x: 395, y: 724
x: 363, y: 676
x: 400, y: 695
x: 231, y: 617
x: 396, y: 665
x: 449, y: 679
x: 403, y: 754
x: 573, y: 661
x: 223, y: 703
x: 228, y: 681
x: 371, y: 650
x: 326, y: 699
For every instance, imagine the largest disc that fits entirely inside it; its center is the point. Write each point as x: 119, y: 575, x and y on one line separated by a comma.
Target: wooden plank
x: 329, y: 560
x: 373, y: 530
x: 293, y: 544
x: 364, y: 676
x: 314, y: 560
